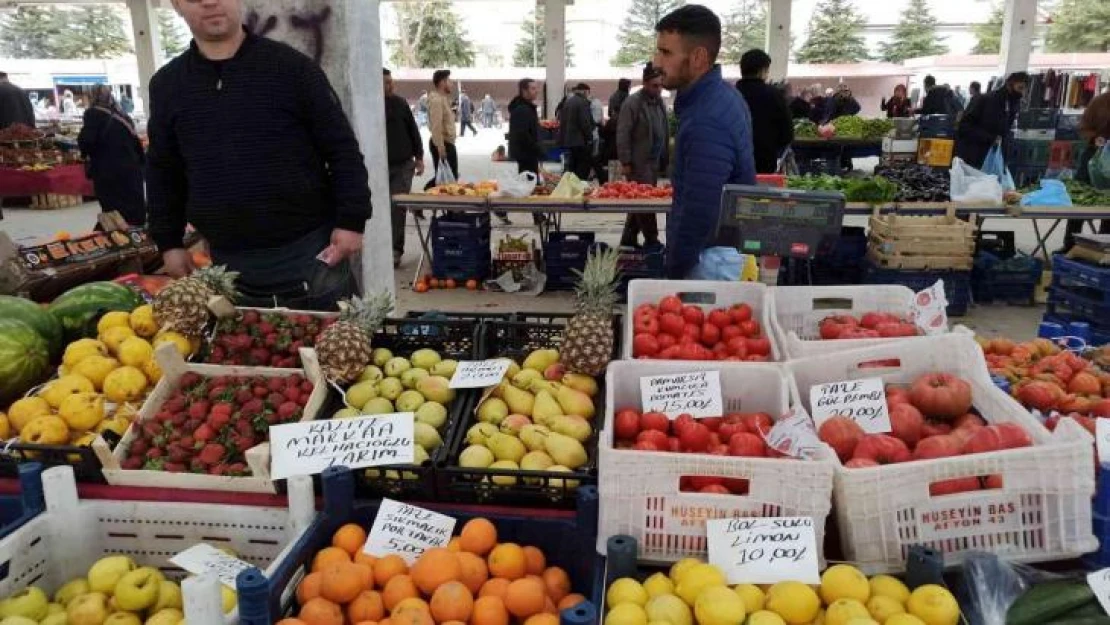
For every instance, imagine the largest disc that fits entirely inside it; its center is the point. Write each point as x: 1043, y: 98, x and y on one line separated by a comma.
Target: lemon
x: 82, y: 411
x: 751, y: 594
x: 54, y: 392
x: 627, y: 614
x: 114, y: 337
x: 142, y: 321
x: 844, y: 582
x: 125, y: 384
x: 114, y: 319
x: 882, y: 608
x: 81, y: 349
x: 765, y: 617
x: 680, y: 567
x: 934, y: 605
x: 23, y: 411
x: 887, y: 586
x: 862, y: 620
x: 903, y: 619
x: 152, y: 371
x: 134, y: 351
x: 228, y: 598
x: 696, y: 579
x: 841, y: 611
x: 659, y: 584
x: 95, y: 369
x: 795, y: 602
x: 625, y: 590
x: 670, y: 609
x: 179, y: 341
x: 719, y: 605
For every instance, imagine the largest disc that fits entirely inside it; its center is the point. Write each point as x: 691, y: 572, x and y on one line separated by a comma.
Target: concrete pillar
x: 148, y: 45
x: 1019, y: 20
x: 344, y: 36
x: 778, y: 37
x: 554, y: 26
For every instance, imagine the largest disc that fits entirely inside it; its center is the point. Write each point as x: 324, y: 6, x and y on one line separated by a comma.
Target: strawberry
x: 192, y: 424
x: 306, y: 387
x: 266, y: 327
x: 189, y: 379
x: 153, y: 453
x: 217, y: 470
x: 244, y: 443
x: 237, y: 468
x: 221, y: 408
x: 212, y: 453
x: 295, y: 380
x: 204, y: 433
x: 287, y: 410
x: 298, y: 333
x: 139, y: 447
x: 132, y: 464
x: 275, y: 399
x: 174, y: 467
x: 186, y: 441
x: 292, y: 393
x: 243, y: 395
x: 244, y: 427
x: 218, y: 420
x: 179, y: 419
x: 276, y: 385
x: 163, y: 416
x: 260, y: 391
x: 259, y: 355
x: 303, y: 401
x: 251, y: 408
x: 217, y: 355
x: 217, y: 392
x: 177, y: 453
x: 152, y: 429
x: 198, y: 410
x: 250, y: 317
x: 196, y: 465
x: 176, y: 403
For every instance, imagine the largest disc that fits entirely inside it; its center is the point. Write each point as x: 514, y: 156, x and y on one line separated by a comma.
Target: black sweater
x: 254, y: 151
x: 402, y: 136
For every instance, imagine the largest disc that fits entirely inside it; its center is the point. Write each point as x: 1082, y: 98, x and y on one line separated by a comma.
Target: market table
x: 835, y: 149
x: 1057, y: 214
x: 62, y: 179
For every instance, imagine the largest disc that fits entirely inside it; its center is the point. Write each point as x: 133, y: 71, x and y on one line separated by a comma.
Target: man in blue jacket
x: 713, y: 146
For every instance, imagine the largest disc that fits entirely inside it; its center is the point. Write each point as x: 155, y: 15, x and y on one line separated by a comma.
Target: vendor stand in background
x: 824, y: 156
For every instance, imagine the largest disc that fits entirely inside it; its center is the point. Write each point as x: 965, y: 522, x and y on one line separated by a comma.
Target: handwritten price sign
x: 864, y: 401
x: 1099, y: 581
x: 204, y: 558
x: 696, y: 394
x: 407, y: 531
x: 310, y: 447
x: 479, y: 373
x: 764, y: 551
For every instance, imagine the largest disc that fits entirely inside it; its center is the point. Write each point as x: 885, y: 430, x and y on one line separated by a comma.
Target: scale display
x: 789, y: 223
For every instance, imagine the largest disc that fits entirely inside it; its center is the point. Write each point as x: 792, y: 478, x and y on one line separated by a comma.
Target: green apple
x: 71, y: 589
x: 346, y: 413
x: 360, y: 393
x: 169, y: 596
x: 88, y: 609
x: 378, y: 405
x: 426, y: 436
x: 409, y: 401
x: 372, y: 373
x: 138, y: 590
x: 390, y: 388
x: 58, y: 618
x: 31, y: 602
x: 165, y: 616
x: 476, y: 457
x: 433, y: 413
x: 107, y: 571
x: 425, y: 358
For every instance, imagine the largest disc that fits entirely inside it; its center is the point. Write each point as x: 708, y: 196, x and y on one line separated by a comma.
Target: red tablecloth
x: 63, y: 180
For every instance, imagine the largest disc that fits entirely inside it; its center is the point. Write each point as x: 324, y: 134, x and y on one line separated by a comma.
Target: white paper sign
x: 1102, y: 440
x: 479, y: 373
x: 310, y: 447
x: 204, y: 558
x: 407, y: 530
x: 696, y: 394
x: 764, y: 551
x: 794, y: 435
x: 864, y: 401
x: 930, y: 309
x: 1099, y: 581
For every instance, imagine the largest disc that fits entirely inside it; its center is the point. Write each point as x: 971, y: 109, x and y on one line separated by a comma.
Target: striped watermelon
x: 36, y: 316
x: 79, y: 308
x: 24, y: 359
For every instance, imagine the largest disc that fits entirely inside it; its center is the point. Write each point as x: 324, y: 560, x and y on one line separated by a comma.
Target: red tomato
x: 670, y: 304
x: 665, y: 341
x: 655, y: 421
x: 857, y: 332
x: 720, y: 318
x: 738, y: 347
x: 759, y: 346
x: 874, y: 319
x: 693, y: 314
x: 692, y: 329
x: 626, y: 424
x: 646, y: 325
x: 646, y: 309
x: 730, y: 332
x: 670, y: 353
x: 644, y: 345
x: 671, y: 324
x: 740, y: 313
x: 750, y: 328
x: 710, y: 335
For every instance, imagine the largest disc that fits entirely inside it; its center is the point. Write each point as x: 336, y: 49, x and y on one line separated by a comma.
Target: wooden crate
x: 49, y: 201
x: 935, y: 152
x: 909, y: 235
x: 920, y: 261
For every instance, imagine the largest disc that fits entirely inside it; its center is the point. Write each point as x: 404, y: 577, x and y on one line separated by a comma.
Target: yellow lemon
x: 115, y: 336
x: 669, y: 609
x: 696, y: 579
x: 82, y: 440
x: 135, y: 351
x: 844, y: 582
x: 887, y: 586
x: 903, y: 619
x: 179, y: 341
x: 627, y: 614
x: 658, y: 584
x: 229, y: 598
x: 882, y: 608
x: 680, y: 567
x: 765, y: 617
x: 114, y: 319
x: 95, y: 369
x: 82, y: 411
x: 45, y: 430
x: 152, y: 371
x: 125, y: 384
x: 55, y: 391
x: 23, y: 411
x: 142, y: 321
x: 719, y: 605
x: 82, y: 349
x: 625, y: 590
x: 751, y: 594
x: 795, y: 602
x: 862, y: 620
x: 841, y: 611
x: 934, y: 605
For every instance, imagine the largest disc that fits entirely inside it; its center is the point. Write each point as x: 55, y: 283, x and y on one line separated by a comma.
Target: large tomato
x: 1040, y: 395
x: 951, y: 487
x: 626, y: 424
x: 1084, y: 383
x: 1101, y: 409
x: 1013, y: 436
x: 940, y: 446
x: 748, y: 445
x: 941, y: 396
x: 989, y: 438
x: 882, y: 448
x: 842, y: 434
x: 644, y: 345
x: 874, y: 319
x: 906, y: 422
x: 933, y: 428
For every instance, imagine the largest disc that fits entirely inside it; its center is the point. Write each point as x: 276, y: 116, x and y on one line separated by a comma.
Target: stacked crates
x: 563, y: 253
x: 957, y: 284
x: 1000, y: 274
x: 640, y: 263
x: 1080, y: 291
x: 461, y: 246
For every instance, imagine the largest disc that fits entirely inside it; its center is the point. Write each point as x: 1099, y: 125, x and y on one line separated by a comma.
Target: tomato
x: 671, y: 324
x: 759, y: 346
x: 646, y: 309
x: 693, y: 314
x: 747, y: 445
x: 730, y: 332
x: 882, y: 448
x: 646, y: 325
x: 857, y: 332
x: 740, y: 313
x: 665, y: 341
x: 720, y: 318
x: 626, y: 424
x: 738, y: 347
x: 874, y: 319
x: 655, y: 421
x: 941, y: 396
x: 710, y: 335
x: 692, y: 329
x: 896, y: 329
x: 750, y: 328
x: 842, y: 434
x: 644, y: 345
x: 670, y: 353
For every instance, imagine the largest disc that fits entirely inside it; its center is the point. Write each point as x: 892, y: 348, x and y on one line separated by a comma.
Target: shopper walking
x: 772, y: 128
x: 489, y: 111
x: 990, y: 120
x: 113, y: 157
x: 576, y: 130
x: 405, y: 154
x: 642, y: 137
x: 441, y: 122
x: 466, y: 114
x: 422, y: 109
x: 898, y: 105
x: 524, y: 131
x: 279, y: 190
x: 939, y: 100
x: 713, y: 146
x: 975, y: 91
x: 15, y: 105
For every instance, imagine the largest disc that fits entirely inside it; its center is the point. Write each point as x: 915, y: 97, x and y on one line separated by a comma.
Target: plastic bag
x: 996, y: 166
x: 1051, y: 193
x: 515, y: 185
x: 991, y: 585
x: 719, y: 263
x: 570, y: 187
x: 971, y: 185
x: 444, y: 175
x: 1099, y: 167
x: 788, y: 165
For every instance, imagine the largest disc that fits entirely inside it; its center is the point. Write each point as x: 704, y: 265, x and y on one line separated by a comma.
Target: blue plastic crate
x: 1080, y: 272
x: 568, y: 539
x: 1078, y: 305
x: 1037, y: 119
x: 936, y: 127
x: 957, y: 284
x: 17, y: 510
x: 567, y: 247
x: 460, y: 221
x: 1012, y: 280
x: 475, y: 269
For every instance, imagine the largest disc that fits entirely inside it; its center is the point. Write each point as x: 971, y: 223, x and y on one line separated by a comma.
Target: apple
x: 655, y: 421
x: 107, y: 571
x: 939, y: 446
x: 31, y: 602
x: 138, y: 589
x: 655, y: 437
x: 122, y: 618
x: 842, y: 434
x: 88, y: 609
x: 906, y: 422
x: 71, y: 589
x: 626, y: 425
x: 747, y: 445
x: 861, y: 463
x: 951, y: 487
x: 882, y: 448
x: 694, y: 438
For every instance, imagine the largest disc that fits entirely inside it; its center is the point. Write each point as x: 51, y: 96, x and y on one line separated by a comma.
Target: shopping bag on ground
x: 718, y: 263
x: 1051, y: 193
x: 995, y: 165
x: 515, y: 185
x: 971, y: 185
x: 1099, y: 167
x: 444, y: 175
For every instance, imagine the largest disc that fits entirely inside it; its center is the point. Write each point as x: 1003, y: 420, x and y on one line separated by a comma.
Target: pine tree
x: 1080, y: 26
x: 745, y: 28
x: 169, y: 31
x: 637, y: 33
x: 834, y: 34
x: 94, y: 32
x: 31, y: 32
x: 531, y: 48
x: 988, y: 35
x: 430, y: 35
x: 915, y: 35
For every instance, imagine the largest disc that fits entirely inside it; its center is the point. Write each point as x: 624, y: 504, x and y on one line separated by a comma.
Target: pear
x: 506, y: 447
x: 426, y: 436
x: 425, y: 358
x: 541, y: 359
x: 545, y: 385
x: 493, y: 410
x: 360, y: 393
x: 346, y: 413
x: 535, y: 461
x: 514, y: 369
x: 555, y: 372
x: 410, y: 377
x: 58, y: 618
x: 432, y: 413
x: 575, y: 402
x: 560, y: 483
x: 390, y: 388
x: 518, y: 401
x: 571, y: 425
x: 565, y: 450
x: 533, y: 436
x: 378, y: 405
x: 512, y: 424
x: 480, y: 433
x: 436, y: 388
x: 380, y: 356
x: 545, y: 407
x: 396, y: 366
x: 372, y: 373
x: 525, y: 378
x: 409, y: 401
x: 476, y: 457
x: 582, y: 383
x: 504, y: 480
x: 20, y: 620
x: 444, y: 368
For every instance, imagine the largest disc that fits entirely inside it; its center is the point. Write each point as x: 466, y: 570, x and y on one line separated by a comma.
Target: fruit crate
x: 257, y: 457
x: 641, y: 489
x: 957, y: 284
x: 566, y: 538
x: 705, y: 294
x: 461, y: 246
x: 83, y: 460
x: 1041, y: 512
x: 17, y: 510
x: 1037, y: 119
x: 1081, y: 273
x: 71, y: 534
x: 1028, y: 153
x: 265, y: 315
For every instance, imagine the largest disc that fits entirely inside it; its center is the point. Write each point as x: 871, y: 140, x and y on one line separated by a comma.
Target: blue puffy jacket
x: 713, y: 148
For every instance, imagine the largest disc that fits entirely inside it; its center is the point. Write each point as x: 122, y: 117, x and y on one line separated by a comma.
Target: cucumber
x: 1044, y: 602
x: 1082, y: 620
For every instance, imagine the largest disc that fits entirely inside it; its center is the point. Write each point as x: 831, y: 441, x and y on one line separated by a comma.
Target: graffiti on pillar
x: 260, y: 27
x: 308, y: 22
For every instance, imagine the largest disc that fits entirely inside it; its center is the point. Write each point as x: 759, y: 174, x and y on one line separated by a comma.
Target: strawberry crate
x: 257, y: 458
x: 1040, y: 512
x: 245, y: 340
x: 71, y: 534
x: 641, y: 489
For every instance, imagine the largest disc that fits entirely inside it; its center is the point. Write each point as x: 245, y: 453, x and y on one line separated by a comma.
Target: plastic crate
x: 1012, y: 280
x: 1078, y: 304
x: 937, y: 127
x: 641, y: 488
x: 460, y: 270
x: 1042, y: 511
x: 567, y: 539
x: 1080, y: 272
x: 1067, y: 126
x: 71, y: 534
x: 1100, y: 335
x: 17, y: 510
x: 1025, y: 176
x: 1037, y: 119
x: 957, y: 284
x: 1028, y: 153
x: 1001, y: 243
x: 563, y: 253
x: 83, y: 460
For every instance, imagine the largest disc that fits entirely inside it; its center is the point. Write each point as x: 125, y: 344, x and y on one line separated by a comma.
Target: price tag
x: 930, y: 309
x: 310, y: 447
x: 407, y: 531
x: 204, y: 558
x: 479, y: 373
x: 1099, y: 581
x: 696, y: 394
x: 864, y: 401
x: 1102, y: 440
x: 764, y: 551
x: 794, y: 435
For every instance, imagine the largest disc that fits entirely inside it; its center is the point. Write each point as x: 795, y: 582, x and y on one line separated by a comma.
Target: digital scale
x: 788, y: 223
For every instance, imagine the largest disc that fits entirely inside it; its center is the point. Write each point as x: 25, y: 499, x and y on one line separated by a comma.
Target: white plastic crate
x: 63, y: 542
x: 705, y: 294
x: 1042, y: 511
x: 640, y: 489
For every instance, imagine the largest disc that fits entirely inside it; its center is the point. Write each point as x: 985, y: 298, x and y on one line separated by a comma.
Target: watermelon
x: 34, y: 315
x: 79, y: 308
x: 24, y: 359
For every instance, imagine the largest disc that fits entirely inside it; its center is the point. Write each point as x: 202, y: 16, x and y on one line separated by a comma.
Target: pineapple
x: 183, y: 305
x: 344, y: 348
x: 588, y: 340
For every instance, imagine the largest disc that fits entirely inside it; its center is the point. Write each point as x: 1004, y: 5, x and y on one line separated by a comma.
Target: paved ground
x: 26, y: 226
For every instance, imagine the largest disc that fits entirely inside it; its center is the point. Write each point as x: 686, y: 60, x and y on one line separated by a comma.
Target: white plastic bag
x: 444, y: 175
x: 515, y: 185
x: 971, y: 185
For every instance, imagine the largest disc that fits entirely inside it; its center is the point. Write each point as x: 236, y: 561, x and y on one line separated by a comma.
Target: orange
x: 388, y: 567
x: 543, y: 618
x: 489, y: 611
x: 421, y: 287
x: 320, y: 611
x: 473, y: 571
x: 534, y: 561
x: 507, y: 560
x: 495, y: 587
x: 478, y: 536
x: 452, y: 623
x: 330, y: 555
x: 385, y: 621
x: 436, y: 567
x: 525, y: 597
x: 291, y: 621
x: 350, y: 538
x: 397, y: 589
x: 367, y: 606
x: 412, y: 617
x: 412, y: 603
x: 472, y: 285
x: 364, y: 558
x: 557, y: 582
x: 568, y: 601
x: 309, y: 588
x: 453, y: 545
x: 341, y: 583
x: 549, y: 606
x: 452, y: 602
x: 365, y: 575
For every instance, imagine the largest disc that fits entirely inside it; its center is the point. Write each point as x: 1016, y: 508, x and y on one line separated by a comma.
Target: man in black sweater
x: 406, y: 157
x: 15, y: 106
x: 772, y: 127
x: 249, y: 144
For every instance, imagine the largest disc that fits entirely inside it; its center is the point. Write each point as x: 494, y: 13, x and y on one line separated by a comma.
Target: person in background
x: 281, y: 191
x: 989, y: 122
x: 843, y: 103
x: 466, y: 114
x: 127, y: 104
x: 939, y: 99
x: 772, y: 128
x: 524, y: 132
x: 113, y: 157
x: 441, y: 122
x: 898, y: 105
x: 975, y: 91
x: 69, y: 105
x: 597, y: 114
x: 816, y: 104
x: 422, y: 109
x: 624, y: 85
x: 15, y: 105
x: 713, y: 145
x: 405, y: 153
x: 642, y: 136
x: 1094, y: 127
x: 958, y: 93
x: 800, y: 106
x: 489, y: 109
x: 576, y: 131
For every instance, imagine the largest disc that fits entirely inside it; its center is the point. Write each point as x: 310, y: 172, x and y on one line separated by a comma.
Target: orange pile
x: 475, y: 580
